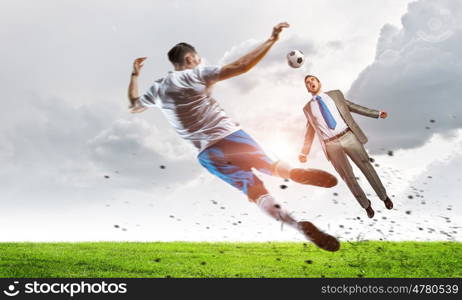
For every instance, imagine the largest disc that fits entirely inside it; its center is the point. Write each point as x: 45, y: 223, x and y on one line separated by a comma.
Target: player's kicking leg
x: 232, y: 160
x: 260, y: 196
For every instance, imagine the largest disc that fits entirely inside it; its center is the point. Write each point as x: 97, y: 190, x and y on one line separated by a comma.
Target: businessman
x: 184, y: 96
x: 329, y: 118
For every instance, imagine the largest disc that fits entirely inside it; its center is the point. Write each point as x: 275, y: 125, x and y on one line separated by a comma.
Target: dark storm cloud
x: 416, y: 77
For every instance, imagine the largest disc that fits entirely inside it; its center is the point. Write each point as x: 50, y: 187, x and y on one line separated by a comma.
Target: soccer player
x: 225, y: 150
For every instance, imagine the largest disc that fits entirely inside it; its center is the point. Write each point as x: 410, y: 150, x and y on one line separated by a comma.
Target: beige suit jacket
x: 345, y: 109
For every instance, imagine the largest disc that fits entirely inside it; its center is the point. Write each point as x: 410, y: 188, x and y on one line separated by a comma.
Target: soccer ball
x: 295, y: 58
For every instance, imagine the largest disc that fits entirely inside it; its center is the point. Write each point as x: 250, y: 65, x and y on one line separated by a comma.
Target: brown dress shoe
x: 319, y: 238
x: 388, y: 203
x: 370, y: 211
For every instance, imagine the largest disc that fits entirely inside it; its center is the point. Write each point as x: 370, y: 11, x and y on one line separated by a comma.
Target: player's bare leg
x: 260, y: 196
x: 304, y: 176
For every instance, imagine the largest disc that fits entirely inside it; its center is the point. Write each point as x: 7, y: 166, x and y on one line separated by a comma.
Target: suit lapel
x: 341, y: 105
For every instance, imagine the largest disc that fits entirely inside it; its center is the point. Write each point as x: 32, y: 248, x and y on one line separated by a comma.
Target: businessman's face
x: 312, y: 85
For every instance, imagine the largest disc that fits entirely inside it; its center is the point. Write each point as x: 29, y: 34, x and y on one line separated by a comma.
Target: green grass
x: 184, y: 259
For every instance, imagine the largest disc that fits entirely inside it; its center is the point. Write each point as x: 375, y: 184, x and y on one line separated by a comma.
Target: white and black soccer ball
x: 295, y: 58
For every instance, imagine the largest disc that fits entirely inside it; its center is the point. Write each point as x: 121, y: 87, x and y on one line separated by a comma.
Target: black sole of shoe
x: 314, y: 177
x: 319, y: 238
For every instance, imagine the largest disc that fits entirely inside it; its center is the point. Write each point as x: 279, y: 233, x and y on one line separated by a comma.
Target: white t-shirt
x: 326, y: 132
x: 184, y: 98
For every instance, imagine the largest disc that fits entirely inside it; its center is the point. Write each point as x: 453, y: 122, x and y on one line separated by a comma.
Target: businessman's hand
x: 302, y: 158
x: 383, y: 114
x: 137, y: 65
x: 277, y: 30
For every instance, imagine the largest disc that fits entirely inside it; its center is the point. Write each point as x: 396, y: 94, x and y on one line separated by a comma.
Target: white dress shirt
x: 326, y: 132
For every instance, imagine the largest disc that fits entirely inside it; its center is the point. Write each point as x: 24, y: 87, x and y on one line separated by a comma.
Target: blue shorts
x: 233, y: 158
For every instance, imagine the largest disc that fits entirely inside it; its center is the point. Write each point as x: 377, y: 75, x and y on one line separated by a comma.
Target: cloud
x: 335, y: 45
x: 416, y: 77
x: 142, y: 154
x: 55, y: 145
x: 64, y: 124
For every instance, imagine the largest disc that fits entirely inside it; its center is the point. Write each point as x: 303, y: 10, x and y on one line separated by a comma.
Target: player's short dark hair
x: 309, y: 75
x: 177, y: 53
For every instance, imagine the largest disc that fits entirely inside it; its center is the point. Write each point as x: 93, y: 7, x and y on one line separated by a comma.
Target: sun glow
x: 279, y: 147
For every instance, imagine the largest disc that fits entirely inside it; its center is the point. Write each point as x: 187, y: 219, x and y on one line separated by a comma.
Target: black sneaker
x: 313, y: 177
x: 319, y: 238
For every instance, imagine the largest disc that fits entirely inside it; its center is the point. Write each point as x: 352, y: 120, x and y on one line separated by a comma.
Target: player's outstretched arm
x: 133, y: 94
x: 248, y: 61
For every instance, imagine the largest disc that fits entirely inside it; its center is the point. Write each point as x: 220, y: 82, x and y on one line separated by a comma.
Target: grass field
x: 183, y: 259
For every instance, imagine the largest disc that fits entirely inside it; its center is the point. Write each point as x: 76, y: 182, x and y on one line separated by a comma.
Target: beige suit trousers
x: 349, y: 145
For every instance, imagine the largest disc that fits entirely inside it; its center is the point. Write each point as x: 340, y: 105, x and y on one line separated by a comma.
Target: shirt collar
x: 322, y: 94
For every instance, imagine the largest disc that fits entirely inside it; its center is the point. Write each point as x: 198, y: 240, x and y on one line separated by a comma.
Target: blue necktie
x: 330, y: 121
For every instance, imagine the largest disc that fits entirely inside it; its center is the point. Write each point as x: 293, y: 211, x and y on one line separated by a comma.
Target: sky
x: 76, y: 166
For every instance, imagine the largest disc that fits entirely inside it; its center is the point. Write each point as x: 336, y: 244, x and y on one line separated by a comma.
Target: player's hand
x: 302, y: 158
x: 277, y: 30
x: 137, y: 65
x: 383, y: 114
